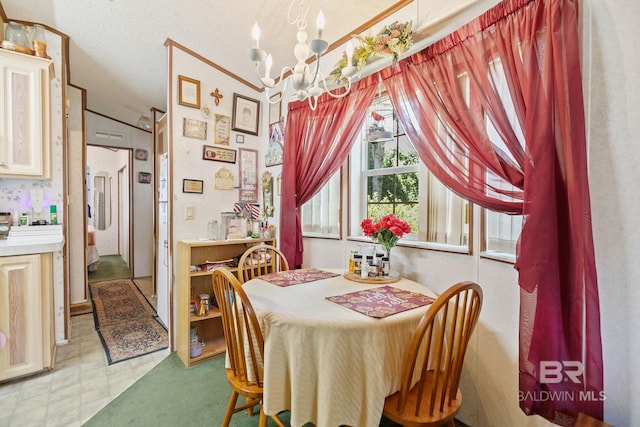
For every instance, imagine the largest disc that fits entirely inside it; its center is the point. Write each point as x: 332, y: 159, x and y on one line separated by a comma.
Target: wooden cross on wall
x: 217, y: 95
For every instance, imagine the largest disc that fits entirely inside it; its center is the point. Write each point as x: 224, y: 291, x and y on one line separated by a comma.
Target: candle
x: 320, y: 24
x: 255, y: 33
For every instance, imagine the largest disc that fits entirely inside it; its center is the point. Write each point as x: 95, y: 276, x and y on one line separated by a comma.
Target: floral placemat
x: 295, y: 277
x: 381, y: 302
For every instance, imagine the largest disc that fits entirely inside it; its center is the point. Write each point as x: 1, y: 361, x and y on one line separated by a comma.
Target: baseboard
x: 80, y: 308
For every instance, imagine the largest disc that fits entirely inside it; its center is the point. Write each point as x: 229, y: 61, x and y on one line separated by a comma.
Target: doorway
x: 109, y: 211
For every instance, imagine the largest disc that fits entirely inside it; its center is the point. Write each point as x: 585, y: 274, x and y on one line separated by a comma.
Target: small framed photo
x: 218, y: 154
x: 248, y: 175
x: 188, y: 92
x: 275, y: 108
x: 246, y: 114
x: 222, y: 125
x: 192, y: 186
x: 144, y: 177
x: 192, y: 128
x: 141, y: 154
x: 239, y: 139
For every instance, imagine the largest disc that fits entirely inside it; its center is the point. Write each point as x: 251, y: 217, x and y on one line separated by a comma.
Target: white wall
x: 611, y: 89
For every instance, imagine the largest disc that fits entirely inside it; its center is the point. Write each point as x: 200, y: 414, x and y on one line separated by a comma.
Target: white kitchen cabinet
x: 26, y: 315
x: 25, y: 128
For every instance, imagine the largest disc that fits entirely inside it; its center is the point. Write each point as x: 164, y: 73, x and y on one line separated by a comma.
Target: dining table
x: 334, y: 347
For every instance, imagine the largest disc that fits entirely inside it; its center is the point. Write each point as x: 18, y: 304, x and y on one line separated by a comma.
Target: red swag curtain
x: 316, y: 144
x: 536, y: 44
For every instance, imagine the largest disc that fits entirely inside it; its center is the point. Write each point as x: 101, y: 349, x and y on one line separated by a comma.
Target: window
x: 320, y: 216
x: 501, y: 231
x: 387, y: 176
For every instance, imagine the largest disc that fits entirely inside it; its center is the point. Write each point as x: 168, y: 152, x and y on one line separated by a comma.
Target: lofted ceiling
x: 117, y: 47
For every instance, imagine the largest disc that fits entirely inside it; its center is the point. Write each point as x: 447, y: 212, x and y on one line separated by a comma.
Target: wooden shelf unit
x: 194, y: 283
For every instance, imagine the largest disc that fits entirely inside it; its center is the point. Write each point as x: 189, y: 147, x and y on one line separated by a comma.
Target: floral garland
x: 391, y: 42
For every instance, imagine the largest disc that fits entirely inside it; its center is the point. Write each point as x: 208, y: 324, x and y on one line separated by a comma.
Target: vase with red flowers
x: 386, y: 232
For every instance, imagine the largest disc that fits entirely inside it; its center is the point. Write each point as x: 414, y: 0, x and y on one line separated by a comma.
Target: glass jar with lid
x: 15, y: 38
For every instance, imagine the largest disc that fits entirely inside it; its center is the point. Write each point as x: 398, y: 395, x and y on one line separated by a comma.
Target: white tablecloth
x: 326, y: 363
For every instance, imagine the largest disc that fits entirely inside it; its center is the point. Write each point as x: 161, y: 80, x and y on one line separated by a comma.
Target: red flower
x: 387, y: 231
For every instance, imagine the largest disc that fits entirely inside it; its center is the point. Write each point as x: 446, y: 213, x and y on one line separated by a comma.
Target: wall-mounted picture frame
x: 246, y: 114
x: 144, y: 177
x: 192, y: 186
x: 239, y: 139
x: 141, y: 154
x: 188, y: 92
x: 275, y: 108
x: 192, y: 128
x: 218, y: 154
x: 248, y: 175
x: 222, y: 125
x: 275, y: 154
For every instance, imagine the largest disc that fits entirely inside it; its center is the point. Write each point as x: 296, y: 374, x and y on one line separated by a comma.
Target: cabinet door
x: 24, y: 128
x: 20, y: 316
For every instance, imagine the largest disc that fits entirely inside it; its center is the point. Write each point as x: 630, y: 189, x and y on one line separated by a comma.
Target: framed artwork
x: 144, y: 177
x: 192, y: 128
x: 223, y: 179
x: 248, y: 175
x: 222, y: 126
x: 218, y: 154
x: 239, y: 139
x: 275, y: 108
x: 192, y: 186
x: 267, y: 193
x: 141, y: 154
x: 188, y: 92
x: 246, y: 114
x: 275, y: 154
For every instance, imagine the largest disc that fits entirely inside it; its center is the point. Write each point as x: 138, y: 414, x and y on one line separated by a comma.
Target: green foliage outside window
x: 396, y: 193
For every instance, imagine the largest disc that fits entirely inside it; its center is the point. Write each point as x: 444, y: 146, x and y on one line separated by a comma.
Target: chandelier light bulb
x: 320, y: 24
x: 349, y: 52
x: 255, y: 33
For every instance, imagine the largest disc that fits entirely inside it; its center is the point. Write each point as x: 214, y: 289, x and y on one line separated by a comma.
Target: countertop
x: 31, y: 245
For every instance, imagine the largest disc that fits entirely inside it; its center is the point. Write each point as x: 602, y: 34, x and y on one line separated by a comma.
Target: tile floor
x: 79, y: 386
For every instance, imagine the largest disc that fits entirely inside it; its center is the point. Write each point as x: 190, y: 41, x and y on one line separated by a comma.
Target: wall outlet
x: 188, y: 212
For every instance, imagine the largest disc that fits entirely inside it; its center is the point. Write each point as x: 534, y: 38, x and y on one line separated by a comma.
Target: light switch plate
x: 188, y: 212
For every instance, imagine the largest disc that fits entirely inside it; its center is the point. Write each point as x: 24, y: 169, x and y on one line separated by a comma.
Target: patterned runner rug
x: 127, y: 324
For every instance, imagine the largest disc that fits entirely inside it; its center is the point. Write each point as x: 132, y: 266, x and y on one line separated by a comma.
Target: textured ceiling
x: 117, y: 50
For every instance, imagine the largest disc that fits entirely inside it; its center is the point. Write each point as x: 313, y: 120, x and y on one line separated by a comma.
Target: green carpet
x: 173, y: 395
x: 111, y: 267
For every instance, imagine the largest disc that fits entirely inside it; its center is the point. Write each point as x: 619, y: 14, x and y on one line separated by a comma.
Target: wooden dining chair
x: 259, y: 260
x: 245, y: 346
x: 435, y: 356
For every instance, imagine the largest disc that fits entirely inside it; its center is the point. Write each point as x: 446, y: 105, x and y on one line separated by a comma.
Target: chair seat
x: 246, y: 389
x: 407, y: 415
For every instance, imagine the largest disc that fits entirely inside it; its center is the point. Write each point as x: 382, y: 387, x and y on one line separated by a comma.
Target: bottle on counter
x: 357, y: 264
x: 351, y: 262
x: 24, y: 219
x: 386, y: 266
x: 53, y: 215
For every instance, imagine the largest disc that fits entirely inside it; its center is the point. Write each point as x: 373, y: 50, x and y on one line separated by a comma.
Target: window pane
x: 501, y: 230
x: 320, y: 216
x: 388, y: 177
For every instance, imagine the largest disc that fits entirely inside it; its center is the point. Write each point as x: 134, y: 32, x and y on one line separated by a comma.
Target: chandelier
x: 308, y: 84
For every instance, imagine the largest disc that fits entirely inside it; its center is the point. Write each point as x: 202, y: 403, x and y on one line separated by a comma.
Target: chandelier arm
x: 347, y: 88
x: 270, y: 83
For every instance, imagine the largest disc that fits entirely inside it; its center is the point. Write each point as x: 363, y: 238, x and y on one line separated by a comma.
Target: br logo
x: 554, y: 372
